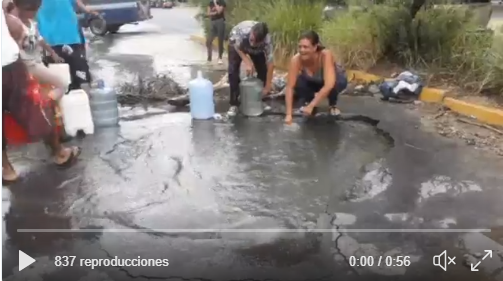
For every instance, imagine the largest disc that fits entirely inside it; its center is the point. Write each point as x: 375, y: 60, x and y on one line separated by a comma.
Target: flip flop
x: 71, y: 159
x: 334, y: 111
x: 8, y: 182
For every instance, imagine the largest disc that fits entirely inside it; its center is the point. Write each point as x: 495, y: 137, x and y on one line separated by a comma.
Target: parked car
x: 114, y: 14
x: 168, y: 5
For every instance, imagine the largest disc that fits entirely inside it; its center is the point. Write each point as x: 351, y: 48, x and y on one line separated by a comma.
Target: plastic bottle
x: 104, y: 106
x: 76, y: 113
x: 202, y: 105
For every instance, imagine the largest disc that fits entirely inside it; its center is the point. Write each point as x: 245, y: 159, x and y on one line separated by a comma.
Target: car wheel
x: 98, y: 26
x: 113, y: 28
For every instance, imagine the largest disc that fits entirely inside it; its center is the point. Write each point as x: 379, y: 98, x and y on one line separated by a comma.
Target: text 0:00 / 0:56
x: 379, y: 261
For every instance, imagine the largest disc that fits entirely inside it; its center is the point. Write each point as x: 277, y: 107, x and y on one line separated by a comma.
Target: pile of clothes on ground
x: 404, y: 86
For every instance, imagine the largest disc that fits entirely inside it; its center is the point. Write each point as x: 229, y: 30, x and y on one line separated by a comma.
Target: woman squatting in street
x: 249, y: 43
x: 37, y: 121
x: 313, y: 75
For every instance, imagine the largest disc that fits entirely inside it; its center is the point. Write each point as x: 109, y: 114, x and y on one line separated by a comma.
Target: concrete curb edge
x: 489, y: 115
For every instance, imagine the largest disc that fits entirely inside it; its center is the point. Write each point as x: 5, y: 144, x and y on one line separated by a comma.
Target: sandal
x: 9, y: 182
x: 334, y: 111
x: 71, y: 159
x: 14, y: 178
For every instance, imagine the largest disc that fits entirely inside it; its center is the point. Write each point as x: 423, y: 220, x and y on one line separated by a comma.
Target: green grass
x: 445, y: 41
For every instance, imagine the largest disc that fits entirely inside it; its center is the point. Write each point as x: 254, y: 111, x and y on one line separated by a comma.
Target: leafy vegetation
x: 444, y: 40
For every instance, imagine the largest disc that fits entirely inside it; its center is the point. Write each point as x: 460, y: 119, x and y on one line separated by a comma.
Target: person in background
x: 59, y: 26
x: 250, y: 43
x: 216, y: 13
x: 313, y: 75
x: 17, y: 102
x: 33, y: 45
x: 80, y: 6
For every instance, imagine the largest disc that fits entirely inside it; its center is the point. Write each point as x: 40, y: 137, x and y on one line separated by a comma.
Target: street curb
x: 489, y: 115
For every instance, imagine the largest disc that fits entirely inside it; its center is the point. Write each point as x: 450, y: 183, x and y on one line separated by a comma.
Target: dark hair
x: 313, y: 37
x: 30, y: 5
x: 10, y: 7
x: 260, y: 31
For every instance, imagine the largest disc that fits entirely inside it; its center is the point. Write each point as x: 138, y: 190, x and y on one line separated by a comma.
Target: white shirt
x: 10, y: 49
x: 31, y: 51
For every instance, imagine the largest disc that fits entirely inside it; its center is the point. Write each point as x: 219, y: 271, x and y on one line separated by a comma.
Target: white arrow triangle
x: 25, y: 260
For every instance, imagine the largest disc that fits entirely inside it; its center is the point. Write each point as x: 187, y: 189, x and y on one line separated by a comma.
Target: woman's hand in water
x: 288, y: 119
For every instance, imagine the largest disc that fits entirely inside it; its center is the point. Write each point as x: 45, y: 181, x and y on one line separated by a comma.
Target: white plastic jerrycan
x: 76, y: 113
x: 61, y: 70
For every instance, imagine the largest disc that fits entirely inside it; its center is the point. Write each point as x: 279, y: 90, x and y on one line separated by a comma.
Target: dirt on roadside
x: 436, y: 118
x: 440, y: 120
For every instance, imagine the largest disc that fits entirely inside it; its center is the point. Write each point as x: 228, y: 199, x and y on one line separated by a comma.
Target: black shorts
x: 77, y: 61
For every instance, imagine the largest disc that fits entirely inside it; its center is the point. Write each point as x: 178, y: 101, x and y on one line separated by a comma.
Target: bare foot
x: 66, y: 156
x: 9, y: 174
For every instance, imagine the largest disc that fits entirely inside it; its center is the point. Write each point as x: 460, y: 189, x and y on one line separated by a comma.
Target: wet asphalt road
x: 217, y: 198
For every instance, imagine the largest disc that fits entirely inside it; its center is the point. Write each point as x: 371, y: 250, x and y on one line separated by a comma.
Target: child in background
x: 33, y: 46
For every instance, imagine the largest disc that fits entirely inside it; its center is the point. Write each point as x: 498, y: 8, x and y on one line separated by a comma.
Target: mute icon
x: 443, y: 260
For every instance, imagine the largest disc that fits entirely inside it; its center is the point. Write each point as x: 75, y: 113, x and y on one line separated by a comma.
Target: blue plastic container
x: 104, y: 106
x: 202, y: 105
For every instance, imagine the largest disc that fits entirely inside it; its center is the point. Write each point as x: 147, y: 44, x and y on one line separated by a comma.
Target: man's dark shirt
x: 213, y: 9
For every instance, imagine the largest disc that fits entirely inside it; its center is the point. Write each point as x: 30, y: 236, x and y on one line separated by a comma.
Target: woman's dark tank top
x: 318, y: 78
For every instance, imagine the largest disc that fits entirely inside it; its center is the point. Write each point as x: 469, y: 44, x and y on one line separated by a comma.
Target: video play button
x: 25, y: 260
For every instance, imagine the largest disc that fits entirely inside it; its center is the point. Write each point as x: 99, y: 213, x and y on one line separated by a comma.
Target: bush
x: 449, y: 41
x: 446, y: 41
x: 285, y: 18
x: 361, y: 38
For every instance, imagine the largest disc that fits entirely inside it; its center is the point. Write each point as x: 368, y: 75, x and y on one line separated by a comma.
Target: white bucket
x: 62, y: 70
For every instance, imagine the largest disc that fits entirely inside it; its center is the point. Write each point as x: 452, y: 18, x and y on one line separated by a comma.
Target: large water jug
x: 104, y: 106
x: 251, y: 96
x: 76, y: 113
x: 61, y: 70
x: 202, y: 105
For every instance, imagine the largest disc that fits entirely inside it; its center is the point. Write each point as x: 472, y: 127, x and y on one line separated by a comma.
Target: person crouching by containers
x: 313, y: 75
x: 249, y: 43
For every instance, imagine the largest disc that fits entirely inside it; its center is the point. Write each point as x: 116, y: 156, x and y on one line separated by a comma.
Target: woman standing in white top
x: 34, y: 45
x: 17, y: 102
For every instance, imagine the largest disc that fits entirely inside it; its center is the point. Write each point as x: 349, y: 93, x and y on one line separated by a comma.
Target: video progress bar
x: 255, y: 230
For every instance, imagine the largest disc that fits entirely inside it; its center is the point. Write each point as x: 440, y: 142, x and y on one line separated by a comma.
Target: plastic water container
x: 251, y: 96
x: 202, y: 105
x: 104, y: 106
x: 76, y: 113
x: 61, y: 70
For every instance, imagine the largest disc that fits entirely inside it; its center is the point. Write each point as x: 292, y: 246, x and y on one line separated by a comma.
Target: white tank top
x: 10, y: 49
x: 31, y: 51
